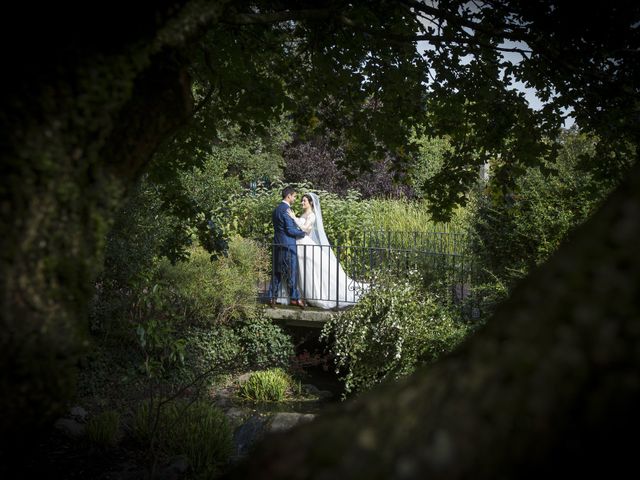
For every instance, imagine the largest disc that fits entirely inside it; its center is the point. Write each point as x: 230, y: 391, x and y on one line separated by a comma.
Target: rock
x: 236, y: 415
x: 70, y: 427
x: 179, y: 464
x: 224, y: 398
x: 79, y: 414
x: 310, y: 389
x: 316, y: 392
x: 286, y: 420
x: 175, y: 469
x: 257, y: 426
x: 244, y: 377
x: 324, y: 394
x: 247, y: 434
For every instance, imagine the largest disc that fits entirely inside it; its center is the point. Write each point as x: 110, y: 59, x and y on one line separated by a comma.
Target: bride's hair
x: 309, y: 199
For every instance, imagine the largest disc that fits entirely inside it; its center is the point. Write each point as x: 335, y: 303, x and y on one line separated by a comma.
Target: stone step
x: 298, y: 317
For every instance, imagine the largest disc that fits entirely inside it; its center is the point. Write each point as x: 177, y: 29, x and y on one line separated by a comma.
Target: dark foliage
x: 316, y: 161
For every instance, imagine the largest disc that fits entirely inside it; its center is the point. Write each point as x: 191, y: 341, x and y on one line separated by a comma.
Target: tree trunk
x: 552, y: 379
x: 79, y: 121
x: 551, y: 385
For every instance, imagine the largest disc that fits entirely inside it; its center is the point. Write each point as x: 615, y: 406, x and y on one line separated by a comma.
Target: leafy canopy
x: 357, y: 73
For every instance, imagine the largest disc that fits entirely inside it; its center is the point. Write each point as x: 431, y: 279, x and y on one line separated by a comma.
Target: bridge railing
x: 339, y: 280
x: 333, y: 275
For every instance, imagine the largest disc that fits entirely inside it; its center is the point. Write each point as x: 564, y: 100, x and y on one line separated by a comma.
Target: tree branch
x: 460, y: 21
x: 324, y: 14
x: 276, y: 17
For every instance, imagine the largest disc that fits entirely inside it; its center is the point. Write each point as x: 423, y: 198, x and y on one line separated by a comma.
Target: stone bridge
x: 309, y: 317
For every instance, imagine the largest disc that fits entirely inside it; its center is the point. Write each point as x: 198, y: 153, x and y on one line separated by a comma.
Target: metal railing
x: 339, y: 280
x: 327, y: 276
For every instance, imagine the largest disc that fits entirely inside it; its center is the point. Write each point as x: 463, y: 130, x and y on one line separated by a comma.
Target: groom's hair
x: 287, y: 191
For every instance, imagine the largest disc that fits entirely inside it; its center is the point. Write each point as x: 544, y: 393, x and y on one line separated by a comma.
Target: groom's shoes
x: 272, y: 302
x: 299, y: 303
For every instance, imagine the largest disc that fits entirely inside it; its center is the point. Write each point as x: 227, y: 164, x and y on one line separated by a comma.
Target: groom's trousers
x: 285, y: 268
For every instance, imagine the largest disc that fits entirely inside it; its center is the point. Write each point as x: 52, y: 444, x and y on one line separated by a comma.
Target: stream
x: 253, y: 421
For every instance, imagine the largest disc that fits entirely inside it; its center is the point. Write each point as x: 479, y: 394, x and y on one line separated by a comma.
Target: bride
x: 321, y: 278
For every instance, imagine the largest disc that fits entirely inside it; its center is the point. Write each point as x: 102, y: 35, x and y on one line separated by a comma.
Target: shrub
x: 487, y: 295
x: 267, y: 386
x: 103, y: 429
x: 196, y: 290
x: 238, y: 275
x: 347, y: 217
x: 160, y: 347
x: 519, y: 229
x: 216, y: 291
x: 212, y: 349
x: 317, y: 161
x: 142, y: 230
x: 250, y: 212
x: 344, y: 216
x: 264, y: 344
x: 255, y: 343
x: 393, y: 329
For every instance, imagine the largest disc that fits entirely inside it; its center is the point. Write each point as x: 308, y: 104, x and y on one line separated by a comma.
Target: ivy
x: 394, y: 328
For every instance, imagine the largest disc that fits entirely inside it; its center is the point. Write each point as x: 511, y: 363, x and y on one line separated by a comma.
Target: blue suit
x: 285, y: 259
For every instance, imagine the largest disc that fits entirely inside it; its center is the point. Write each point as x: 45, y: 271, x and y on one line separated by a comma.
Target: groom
x: 285, y: 259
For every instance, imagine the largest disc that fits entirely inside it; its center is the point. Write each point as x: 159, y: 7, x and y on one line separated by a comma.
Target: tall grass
x: 409, y: 216
x: 199, y: 430
x: 346, y: 217
x: 103, y: 429
x: 267, y: 386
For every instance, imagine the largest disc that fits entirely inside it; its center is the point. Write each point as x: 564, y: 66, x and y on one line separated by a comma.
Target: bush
x: 264, y: 344
x: 267, y: 386
x: 486, y: 296
x: 216, y: 291
x: 317, y: 161
x: 250, y: 212
x: 347, y: 217
x: 344, y: 216
x: 238, y: 275
x: 515, y: 231
x: 394, y: 328
x: 196, y: 290
x: 256, y: 343
x: 143, y: 230
x: 103, y: 429
x: 213, y: 349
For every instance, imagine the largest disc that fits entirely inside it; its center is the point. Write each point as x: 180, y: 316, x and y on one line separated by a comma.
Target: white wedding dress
x: 321, y: 279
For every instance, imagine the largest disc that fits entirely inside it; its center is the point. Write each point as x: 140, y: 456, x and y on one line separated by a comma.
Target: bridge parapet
x: 297, y: 317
